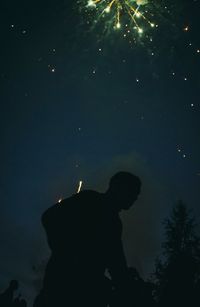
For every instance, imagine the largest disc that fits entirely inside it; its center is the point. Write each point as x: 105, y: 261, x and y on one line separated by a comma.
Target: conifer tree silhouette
x: 177, y: 270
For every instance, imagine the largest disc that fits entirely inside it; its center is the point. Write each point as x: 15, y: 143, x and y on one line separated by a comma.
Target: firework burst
x: 117, y: 14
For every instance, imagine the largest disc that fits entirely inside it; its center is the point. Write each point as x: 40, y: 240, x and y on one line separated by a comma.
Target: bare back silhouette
x: 84, y: 235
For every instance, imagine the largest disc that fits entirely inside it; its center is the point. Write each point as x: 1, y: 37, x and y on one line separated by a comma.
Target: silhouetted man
x: 7, y: 297
x: 84, y: 235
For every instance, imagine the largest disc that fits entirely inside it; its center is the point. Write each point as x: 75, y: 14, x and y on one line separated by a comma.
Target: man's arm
x: 120, y: 274
x: 117, y: 264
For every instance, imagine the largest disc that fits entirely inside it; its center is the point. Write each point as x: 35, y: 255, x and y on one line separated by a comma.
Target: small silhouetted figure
x: 84, y: 235
x: 18, y: 302
x: 22, y: 303
x: 7, y: 297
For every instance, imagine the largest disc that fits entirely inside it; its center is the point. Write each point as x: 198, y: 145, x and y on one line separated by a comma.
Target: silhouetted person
x: 138, y: 292
x: 7, y: 297
x: 16, y: 301
x: 22, y: 303
x: 141, y: 290
x: 84, y: 235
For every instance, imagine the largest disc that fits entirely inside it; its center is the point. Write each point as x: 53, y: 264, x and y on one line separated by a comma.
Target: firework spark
x: 79, y: 186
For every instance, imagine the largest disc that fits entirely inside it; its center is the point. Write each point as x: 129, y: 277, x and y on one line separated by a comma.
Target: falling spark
x: 79, y: 186
x: 59, y: 201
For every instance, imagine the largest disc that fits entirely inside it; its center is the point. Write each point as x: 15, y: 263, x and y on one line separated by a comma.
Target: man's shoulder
x: 85, y: 194
x: 90, y: 194
x: 86, y: 199
x: 90, y: 200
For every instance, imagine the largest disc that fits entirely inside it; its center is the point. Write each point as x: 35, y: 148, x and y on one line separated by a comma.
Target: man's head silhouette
x: 123, y: 190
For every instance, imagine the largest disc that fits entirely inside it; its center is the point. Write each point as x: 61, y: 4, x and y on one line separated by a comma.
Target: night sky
x: 79, y: 103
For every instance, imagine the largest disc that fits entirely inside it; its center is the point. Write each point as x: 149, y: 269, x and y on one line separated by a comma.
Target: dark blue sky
x: 74, y: 107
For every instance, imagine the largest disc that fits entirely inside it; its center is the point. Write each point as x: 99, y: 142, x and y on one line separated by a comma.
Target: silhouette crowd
x: 87, y: 266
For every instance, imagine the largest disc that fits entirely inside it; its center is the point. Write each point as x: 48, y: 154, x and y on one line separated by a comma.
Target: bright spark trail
x: 79, y: 186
